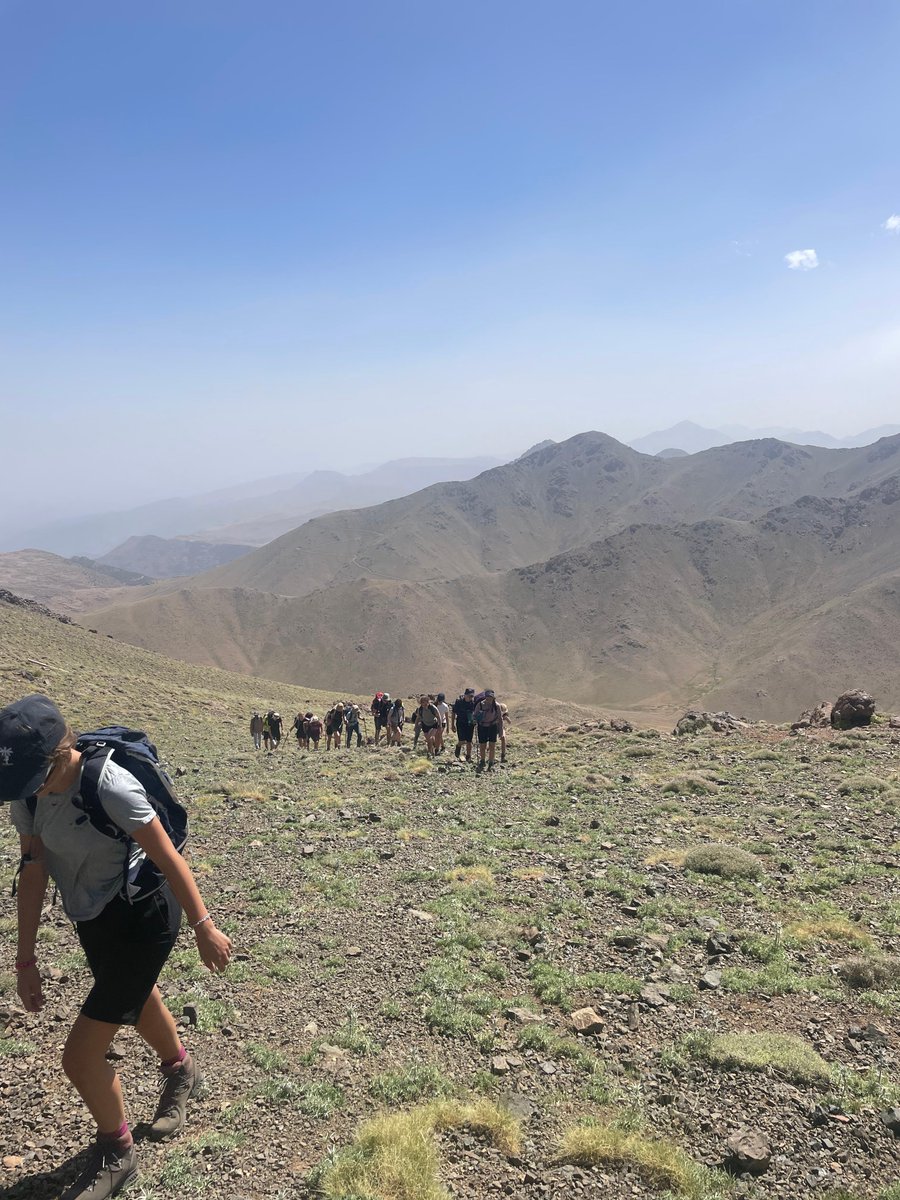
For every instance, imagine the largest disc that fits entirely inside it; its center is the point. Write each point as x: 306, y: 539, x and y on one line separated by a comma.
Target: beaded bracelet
x: 197, y: 924
x: 23, y: 966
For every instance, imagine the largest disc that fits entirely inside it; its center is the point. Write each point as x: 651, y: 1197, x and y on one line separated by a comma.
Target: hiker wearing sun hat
x: 85, y: 820
x: 488, y: 722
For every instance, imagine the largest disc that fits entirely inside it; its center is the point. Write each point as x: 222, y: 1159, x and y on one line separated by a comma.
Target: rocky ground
x: 409, y: 931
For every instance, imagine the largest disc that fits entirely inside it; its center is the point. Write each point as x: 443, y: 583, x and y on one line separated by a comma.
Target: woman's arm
x: 32, y: 887
x: 213, y: 946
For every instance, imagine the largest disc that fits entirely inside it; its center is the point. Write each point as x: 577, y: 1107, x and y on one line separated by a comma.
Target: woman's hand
x: 28, y: 985
x: 213, y: 946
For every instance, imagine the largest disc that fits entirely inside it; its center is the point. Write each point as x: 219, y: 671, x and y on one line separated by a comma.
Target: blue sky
x: 274, y: 235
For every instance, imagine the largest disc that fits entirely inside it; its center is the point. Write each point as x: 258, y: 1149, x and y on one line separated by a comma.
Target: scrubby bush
x: 782, y: 1052
x: 729, y: 862
x: 690, y: 785
x: 868, y: 972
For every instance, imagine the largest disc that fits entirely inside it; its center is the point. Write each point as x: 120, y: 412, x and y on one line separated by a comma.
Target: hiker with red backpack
x: 110, y: 838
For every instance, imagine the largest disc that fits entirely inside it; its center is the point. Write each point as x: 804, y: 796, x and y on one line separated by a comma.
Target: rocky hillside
x: 70, y: 585
x: 752, y: 615
x: 619, y: 965
x: 556, y: 499
x: 164, y: 558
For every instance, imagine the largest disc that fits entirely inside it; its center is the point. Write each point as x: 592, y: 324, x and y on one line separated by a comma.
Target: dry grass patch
x: 863, y: 785
x: 828, y: 929
x: 477, y: 877
x: 674, y: 858
x: 662, y: 1164
x: 536, y: 874
x: 395, y: 1155
x: 717, y: 858
x: 690, y: 785
x: 419, y: 766
x: 869, y: 972
x: 781, y: 1052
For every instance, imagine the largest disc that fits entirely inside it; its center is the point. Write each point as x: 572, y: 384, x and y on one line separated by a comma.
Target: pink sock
x: 121, y: 1136
x: 172, y: 1064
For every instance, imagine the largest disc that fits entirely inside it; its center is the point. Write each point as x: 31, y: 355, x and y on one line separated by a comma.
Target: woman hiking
x: 428, y: 719
x: 395, y: 719
x: 126, y: 941
x: 489, y: 723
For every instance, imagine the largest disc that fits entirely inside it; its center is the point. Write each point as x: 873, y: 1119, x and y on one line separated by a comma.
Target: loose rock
x: 749, y: 1152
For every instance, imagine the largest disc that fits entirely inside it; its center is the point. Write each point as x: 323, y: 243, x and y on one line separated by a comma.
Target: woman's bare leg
x: 156, y: 1026
x: 84, y: 1061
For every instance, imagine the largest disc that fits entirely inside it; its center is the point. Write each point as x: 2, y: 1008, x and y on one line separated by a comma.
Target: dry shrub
x: 690, y: 785
x: 661, y: 1163
x: 729, y: 862
x: 395, y: 1155
x: 870, y: 972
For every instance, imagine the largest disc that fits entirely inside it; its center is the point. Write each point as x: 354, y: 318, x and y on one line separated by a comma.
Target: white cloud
x: 802, y: 260
x: 892, y: 224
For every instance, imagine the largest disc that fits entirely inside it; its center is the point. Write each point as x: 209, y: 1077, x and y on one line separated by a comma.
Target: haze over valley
x: 748, y: 576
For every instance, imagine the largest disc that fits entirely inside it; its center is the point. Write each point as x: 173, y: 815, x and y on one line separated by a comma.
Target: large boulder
x: 852, y: 710
x: 694, y: 721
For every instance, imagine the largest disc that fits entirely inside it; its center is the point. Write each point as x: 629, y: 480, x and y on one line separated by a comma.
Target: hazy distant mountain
x: 760, y: 616
x: 251, y: 513
x: 686, y: 436
x: 163, y: 558
x: 756, y: 570
x: 671, y: 452
x: 693, y: 438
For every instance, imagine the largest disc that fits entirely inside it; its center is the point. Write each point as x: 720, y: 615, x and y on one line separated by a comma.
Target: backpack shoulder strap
x: 93, y: 764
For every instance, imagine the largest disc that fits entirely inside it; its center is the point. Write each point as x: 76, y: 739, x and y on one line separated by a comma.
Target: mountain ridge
x: 653, y: 615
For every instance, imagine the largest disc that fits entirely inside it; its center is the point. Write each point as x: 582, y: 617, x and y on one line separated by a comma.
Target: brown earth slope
x: 757, y: 615
x: 60, y: 583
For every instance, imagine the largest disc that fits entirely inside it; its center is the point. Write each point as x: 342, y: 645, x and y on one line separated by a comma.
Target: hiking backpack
x: 134, y: 751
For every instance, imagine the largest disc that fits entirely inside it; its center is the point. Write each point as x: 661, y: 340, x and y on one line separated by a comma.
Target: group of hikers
x: 266, y: 730
x: 474, y: 717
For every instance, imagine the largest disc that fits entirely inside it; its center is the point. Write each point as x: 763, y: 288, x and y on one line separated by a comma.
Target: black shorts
x: 487, y: 733
x: 464, y: 732
x: 126, y: 947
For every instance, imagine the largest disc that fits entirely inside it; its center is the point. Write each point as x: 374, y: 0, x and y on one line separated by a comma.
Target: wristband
x: 197, y: 924
x: 23, y: 966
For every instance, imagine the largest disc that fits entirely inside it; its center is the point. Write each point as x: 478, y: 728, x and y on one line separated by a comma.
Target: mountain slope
x: 557, y: 498
x: 61, y: 583
x: 759, y: 615
x: 163, y: 558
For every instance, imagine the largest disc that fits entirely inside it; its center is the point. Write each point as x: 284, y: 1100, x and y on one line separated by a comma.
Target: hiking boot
x: 109, y: 1169
x: 457, y: 751
x: 177, y: 1088
x: 490, y: 766
x: 479, y: 767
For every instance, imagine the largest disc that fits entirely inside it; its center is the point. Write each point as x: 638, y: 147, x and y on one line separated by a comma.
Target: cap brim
x: 19, y: 785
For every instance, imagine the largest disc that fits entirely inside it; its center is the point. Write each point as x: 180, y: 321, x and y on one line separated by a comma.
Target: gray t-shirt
x: 85, y: 864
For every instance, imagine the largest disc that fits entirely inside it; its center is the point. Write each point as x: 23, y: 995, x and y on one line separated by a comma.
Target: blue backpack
x: 134, y: 751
